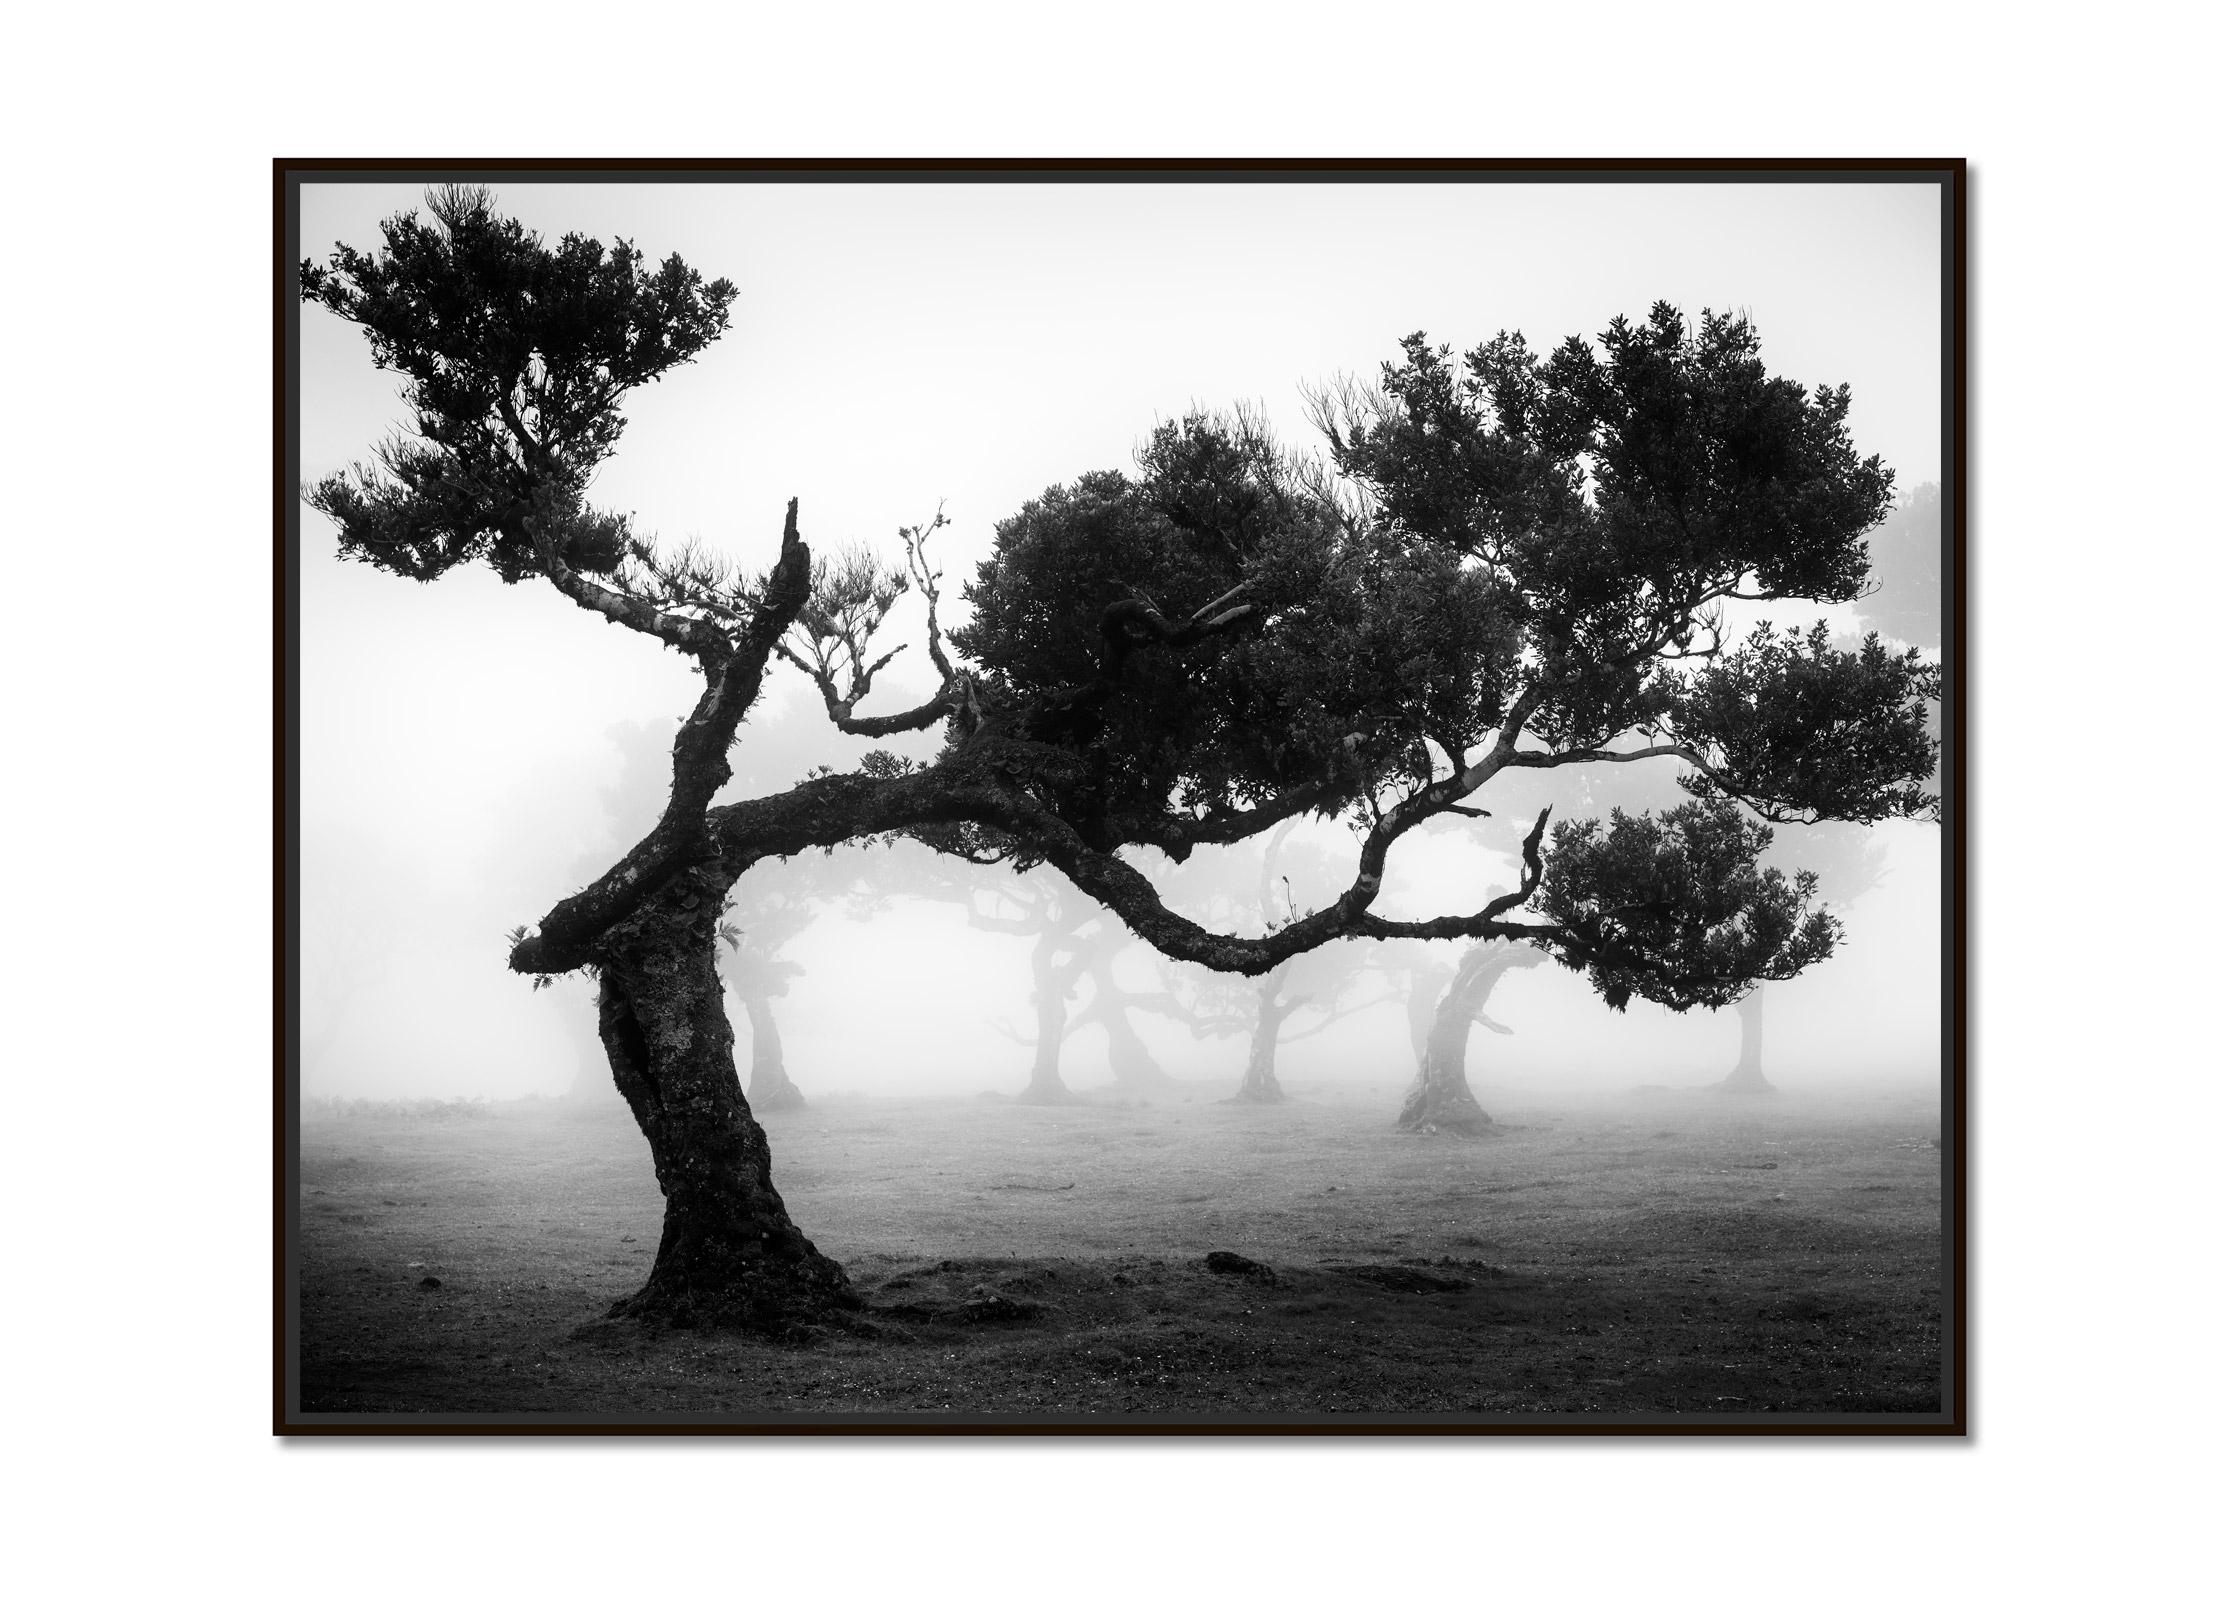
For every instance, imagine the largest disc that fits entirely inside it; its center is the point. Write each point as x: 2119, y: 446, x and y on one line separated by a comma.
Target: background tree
x: 1183, y: 657
x: 1303, y: 995
x: 1845, y: 862
x: 1440, y: 1101
x: 773, y: 903
x: 1059, y: 924
x: 1112, y: 1005
x: 1078, y: 945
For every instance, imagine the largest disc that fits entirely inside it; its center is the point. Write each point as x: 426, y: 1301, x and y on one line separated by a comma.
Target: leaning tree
x: 1439, y: 1099
x: 1183, y: 656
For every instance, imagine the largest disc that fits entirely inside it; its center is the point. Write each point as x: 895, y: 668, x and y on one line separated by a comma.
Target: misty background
x: 470, y: 752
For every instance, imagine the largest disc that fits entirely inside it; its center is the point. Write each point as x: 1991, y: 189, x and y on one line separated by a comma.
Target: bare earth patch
x: 1683, y: 1255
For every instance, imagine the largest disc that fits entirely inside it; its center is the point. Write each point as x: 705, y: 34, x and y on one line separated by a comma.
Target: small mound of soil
x: 1228, y: 1261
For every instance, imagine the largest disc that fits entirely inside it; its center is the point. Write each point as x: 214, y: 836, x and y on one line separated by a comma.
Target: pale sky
x: 899, y: 347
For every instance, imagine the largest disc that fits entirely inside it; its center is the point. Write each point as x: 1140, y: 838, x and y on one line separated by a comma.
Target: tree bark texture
x: 1749, y: 1075
x: 729, y: 1254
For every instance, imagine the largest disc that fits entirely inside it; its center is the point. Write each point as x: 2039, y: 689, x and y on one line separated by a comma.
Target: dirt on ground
x: 1666, y: 1254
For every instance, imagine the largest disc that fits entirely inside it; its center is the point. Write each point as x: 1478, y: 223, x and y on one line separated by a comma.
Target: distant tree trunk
x: 1440, y: 1100
x: 1749, y: 1075
x: 1260, y: 1087
x: 1133, y: 1066
x: 1052, y: 983
x: 729, y: 1253
x: 768, y: 1087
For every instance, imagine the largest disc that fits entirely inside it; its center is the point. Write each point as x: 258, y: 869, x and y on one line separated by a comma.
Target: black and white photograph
x: 1087, y: 799
x: 1187, y: 799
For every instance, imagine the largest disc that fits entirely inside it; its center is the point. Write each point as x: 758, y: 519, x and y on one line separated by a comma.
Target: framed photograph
x: 1031, y: 797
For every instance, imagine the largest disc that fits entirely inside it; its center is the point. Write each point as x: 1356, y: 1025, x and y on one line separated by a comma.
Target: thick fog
x: 471, y: 752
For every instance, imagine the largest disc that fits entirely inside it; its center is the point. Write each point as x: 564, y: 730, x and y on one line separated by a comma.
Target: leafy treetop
x: 515, y: 356
x: 1514, y: 563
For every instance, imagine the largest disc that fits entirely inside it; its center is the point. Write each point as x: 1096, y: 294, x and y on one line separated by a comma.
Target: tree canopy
x: 1510, y: 561
x: 516, y: 356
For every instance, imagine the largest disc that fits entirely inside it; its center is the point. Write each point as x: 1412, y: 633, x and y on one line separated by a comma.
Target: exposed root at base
x: 813, y: 1297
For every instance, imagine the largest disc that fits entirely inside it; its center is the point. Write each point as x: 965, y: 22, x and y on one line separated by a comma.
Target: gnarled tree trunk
x: 1440, y: 1101
x: 1749, y: 1075
x: 768, y: 1087
x: 1260, y: 1087
x: 729, y: 1254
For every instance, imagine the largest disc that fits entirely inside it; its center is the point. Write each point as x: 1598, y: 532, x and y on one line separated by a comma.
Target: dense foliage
x: 1508, y: 561
x: 1675, y: 906
x: 516, y: 356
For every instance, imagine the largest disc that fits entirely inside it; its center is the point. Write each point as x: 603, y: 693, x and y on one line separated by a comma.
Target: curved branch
x: 703, y: 641
x: 940, y: 706
x: 1132, y: 896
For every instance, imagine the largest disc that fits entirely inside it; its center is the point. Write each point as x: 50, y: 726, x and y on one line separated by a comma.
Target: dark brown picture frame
x: 1949, y: 176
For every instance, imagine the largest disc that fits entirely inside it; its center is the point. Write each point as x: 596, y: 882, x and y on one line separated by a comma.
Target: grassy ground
x: 1654, y: 1253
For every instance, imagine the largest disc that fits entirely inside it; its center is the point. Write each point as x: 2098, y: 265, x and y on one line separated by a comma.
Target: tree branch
x: 699, y: 767
x: 703, y: 641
